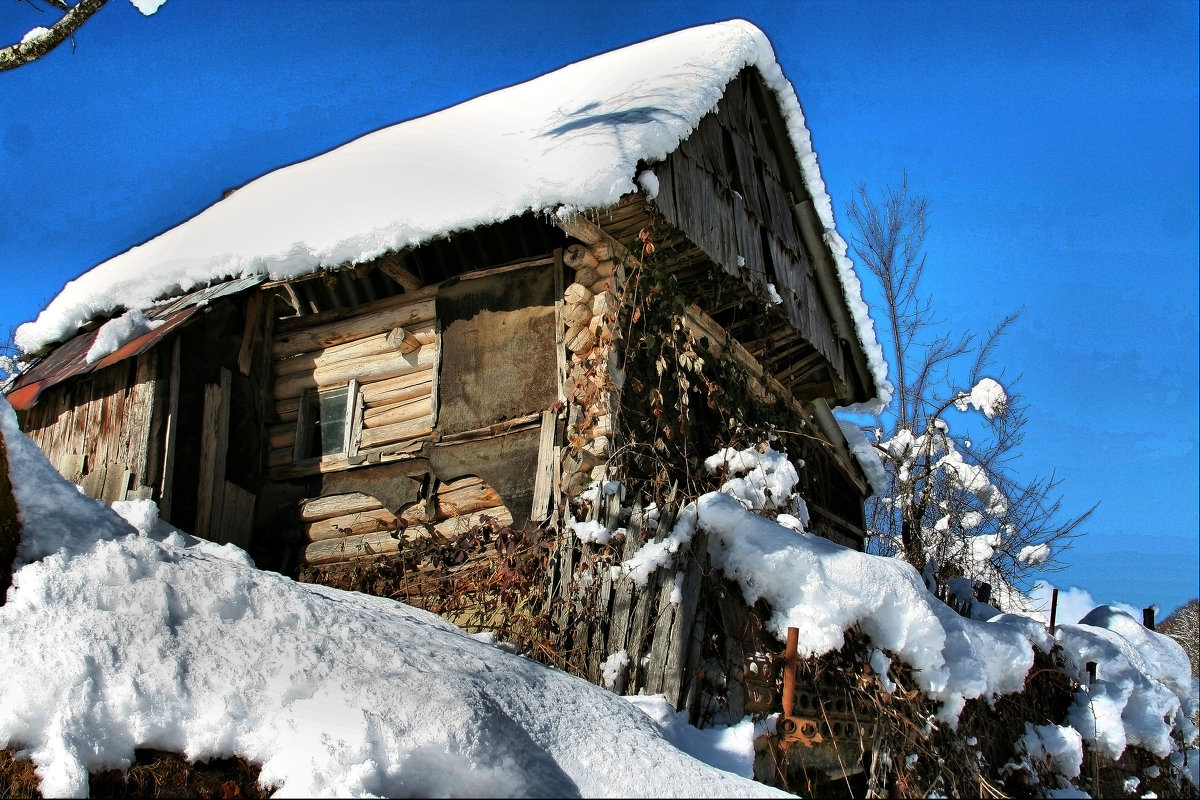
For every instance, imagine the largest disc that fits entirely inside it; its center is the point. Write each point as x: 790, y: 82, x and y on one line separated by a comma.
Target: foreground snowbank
x: 126, y: 633
x: 1144, y: 693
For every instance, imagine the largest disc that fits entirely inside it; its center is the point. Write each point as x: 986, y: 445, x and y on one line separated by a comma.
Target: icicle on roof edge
x: 565, y: 142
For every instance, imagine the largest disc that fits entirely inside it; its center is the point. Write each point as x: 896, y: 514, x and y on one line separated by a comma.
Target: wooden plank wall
x: 390, y: 347
x: 724, y: 188
x: 102, y: 431
x: 599, y: 612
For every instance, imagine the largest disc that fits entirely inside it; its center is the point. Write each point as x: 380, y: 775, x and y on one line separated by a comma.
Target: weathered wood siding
x: 724, y: 187
x: 102, y: 431
x: 600, y: 611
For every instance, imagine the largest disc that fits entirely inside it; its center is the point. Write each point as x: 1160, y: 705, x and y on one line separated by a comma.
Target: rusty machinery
x: 817, y: 713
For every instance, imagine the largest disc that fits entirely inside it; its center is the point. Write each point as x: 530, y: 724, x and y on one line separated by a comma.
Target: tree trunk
x: 910, y: 539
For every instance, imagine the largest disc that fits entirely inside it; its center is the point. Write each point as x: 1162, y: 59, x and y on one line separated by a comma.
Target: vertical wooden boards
x: 210, y: 498
x: 166, y: 492
x: 251, y: 332
x: 237, y: 516
x: 543, y: 485
x: 682, y: 638
x: 99, y: 431
x: 560, y: 347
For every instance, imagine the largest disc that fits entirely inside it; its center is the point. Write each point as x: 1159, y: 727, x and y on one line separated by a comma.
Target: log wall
x: 354, y: 525
x: 390, y: 348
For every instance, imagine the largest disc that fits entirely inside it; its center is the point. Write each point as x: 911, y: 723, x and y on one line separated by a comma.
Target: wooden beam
x: 543, y: 482
x: 393, y: 265
x: 485, y: 273
x: 492, y: 431
x: 283, y: 468
x: 402, y: 411
x: 214, y: 446
x: 250, y: 331
x: 166, y: 487
x: 387, y: 341
x: 330, y: 328
x: 353, y: 546
x: 376, y: 367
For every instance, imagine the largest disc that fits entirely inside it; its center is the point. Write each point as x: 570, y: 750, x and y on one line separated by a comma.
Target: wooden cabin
x: 425, y: 422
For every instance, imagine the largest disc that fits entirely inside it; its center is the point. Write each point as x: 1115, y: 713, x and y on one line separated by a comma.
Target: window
x: 328, y: 423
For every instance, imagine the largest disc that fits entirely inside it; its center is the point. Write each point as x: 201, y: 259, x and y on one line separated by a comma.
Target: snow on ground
x: 121, y: 632
x: 563, y: 143
x: 729, y: 747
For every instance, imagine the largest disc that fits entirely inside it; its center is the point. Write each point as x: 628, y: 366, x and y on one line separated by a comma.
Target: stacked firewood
x: 590, y: 305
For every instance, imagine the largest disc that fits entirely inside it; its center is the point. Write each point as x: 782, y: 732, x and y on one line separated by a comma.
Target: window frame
x: 308, y: 423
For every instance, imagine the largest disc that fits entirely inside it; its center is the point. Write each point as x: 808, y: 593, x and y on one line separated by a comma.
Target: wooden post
x: 789, y: 670
x: 210, y: 499
x: 1148, y: 617
x: 1053, y: 609
x: 543, y: 484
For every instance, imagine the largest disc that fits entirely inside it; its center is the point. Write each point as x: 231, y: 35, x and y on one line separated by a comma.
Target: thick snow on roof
x: 568, y: 141
x: 121, y: 632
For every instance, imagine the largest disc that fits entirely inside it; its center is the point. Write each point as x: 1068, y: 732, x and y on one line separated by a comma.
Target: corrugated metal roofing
x: 70, y: 358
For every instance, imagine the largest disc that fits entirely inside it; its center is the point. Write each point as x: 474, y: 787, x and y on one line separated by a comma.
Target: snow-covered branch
x: 39, y: 41
x: 955, y: 507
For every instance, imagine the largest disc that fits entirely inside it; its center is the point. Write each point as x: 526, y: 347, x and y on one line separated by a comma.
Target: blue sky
x: 1057, y: 141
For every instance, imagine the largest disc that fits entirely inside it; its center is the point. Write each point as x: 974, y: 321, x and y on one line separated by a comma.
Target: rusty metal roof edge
x: 49, y: 371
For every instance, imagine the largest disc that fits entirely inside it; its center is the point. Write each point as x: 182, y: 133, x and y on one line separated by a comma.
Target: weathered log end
x: 10, y: 525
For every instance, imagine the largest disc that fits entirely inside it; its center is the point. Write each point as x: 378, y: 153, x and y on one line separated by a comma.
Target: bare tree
x: 42, y: 39
x: 9, y: 355
x: 1183, y: 625
x: 955, y: 508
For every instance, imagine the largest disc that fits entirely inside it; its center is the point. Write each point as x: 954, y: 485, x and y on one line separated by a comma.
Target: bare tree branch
x: 954, y: 506
x: 33, y: 48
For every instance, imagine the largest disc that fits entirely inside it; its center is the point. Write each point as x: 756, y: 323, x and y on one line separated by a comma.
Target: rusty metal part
x: 789, y: 670
x: 793, y: 729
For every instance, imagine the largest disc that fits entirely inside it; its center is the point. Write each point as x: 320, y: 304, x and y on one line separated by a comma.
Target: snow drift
x: 122, y: 632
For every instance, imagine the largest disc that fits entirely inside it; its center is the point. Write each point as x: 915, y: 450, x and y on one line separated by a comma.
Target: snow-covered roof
x: 566, y: 142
